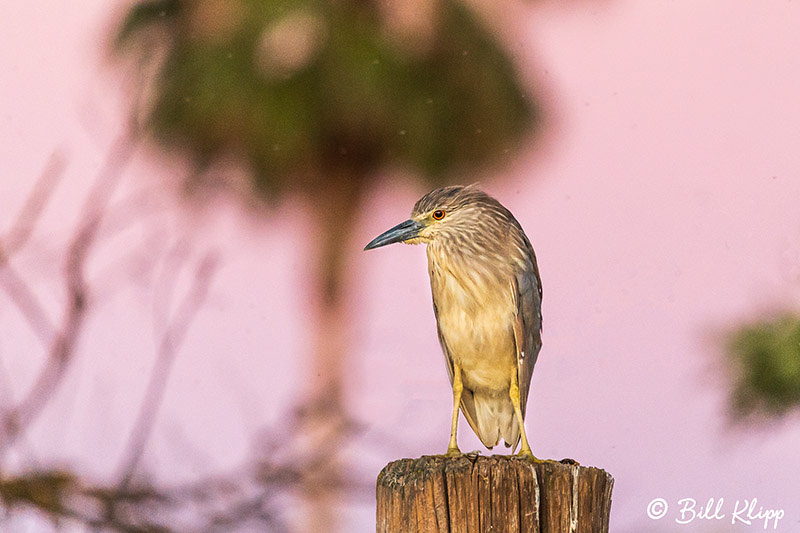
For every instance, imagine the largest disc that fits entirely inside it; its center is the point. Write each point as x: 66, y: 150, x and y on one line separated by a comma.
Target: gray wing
x: 527, y: 291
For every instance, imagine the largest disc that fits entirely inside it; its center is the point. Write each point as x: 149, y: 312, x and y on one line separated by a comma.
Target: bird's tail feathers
x: 494, y: 418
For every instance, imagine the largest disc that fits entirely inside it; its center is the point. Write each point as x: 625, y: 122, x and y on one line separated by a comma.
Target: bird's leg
x: 513, y: 393
x: 458, y: 387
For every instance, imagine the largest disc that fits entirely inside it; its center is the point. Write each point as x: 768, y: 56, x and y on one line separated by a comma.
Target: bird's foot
x: 528, y: 455
x: 453, y: 451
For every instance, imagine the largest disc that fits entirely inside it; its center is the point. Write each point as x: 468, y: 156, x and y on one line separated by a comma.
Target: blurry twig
x: 252, y: 496
x: 16, y: 237
x: 28, y: 304
x: 166, y: 285
x: 61, y: 349
x: 135, y: 264
x: 29, y: 215
x: 168, y: 348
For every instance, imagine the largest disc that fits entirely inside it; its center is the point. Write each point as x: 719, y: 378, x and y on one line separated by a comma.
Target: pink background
x: 663, y: 206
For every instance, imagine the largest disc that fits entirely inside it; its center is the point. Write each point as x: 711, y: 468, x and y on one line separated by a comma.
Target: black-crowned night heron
x: 487, y: 298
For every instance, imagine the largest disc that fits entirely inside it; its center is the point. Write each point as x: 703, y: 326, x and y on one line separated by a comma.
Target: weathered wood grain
x: 497, y: 494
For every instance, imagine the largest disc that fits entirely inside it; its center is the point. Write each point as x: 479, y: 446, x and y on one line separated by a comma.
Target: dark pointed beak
x: 401, y: 232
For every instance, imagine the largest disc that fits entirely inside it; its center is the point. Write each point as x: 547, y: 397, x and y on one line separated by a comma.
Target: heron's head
x: 447, y: 213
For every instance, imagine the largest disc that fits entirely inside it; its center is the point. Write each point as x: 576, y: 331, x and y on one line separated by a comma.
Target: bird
x: 487, y: 300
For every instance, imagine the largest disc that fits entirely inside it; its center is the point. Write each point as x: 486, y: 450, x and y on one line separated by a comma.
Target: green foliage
x: 299, y: 89
x: 766, y: 359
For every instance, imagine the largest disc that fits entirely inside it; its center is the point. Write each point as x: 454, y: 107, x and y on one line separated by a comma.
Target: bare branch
x: 129, y: 210
x: 29, y: 215
x: 141, y: 208
x: 28, y: 304
x: 15, y: 286
x: 62, y: 348
x: 165, y: 287
x: 168, y: 348
x: 252, y: 495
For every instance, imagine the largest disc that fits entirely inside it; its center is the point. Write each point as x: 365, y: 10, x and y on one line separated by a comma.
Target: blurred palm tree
x: 765, y: 357
x: 315, y: 97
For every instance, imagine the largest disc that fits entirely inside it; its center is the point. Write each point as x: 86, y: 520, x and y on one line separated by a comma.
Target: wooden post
x: 498, y: 494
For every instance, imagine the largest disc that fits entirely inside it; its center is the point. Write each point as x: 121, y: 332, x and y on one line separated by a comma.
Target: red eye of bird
x: 438, y: 214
